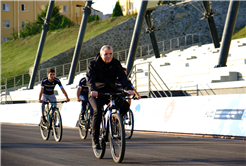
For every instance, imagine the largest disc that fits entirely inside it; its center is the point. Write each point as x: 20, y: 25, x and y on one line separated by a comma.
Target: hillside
x: 19, y: 55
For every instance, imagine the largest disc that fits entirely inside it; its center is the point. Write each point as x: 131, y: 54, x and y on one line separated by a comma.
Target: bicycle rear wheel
x: 99, y: 153
x: 83, y: 127
x: 117, y: 142
x: 129, y: 124
x: 45, y: 128
x: 57, y: 125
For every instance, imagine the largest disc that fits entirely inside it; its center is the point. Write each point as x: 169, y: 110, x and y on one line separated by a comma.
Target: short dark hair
x: 124, y: 68
x: 51, y: 70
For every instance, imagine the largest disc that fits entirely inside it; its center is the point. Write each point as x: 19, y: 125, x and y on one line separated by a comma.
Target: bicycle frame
x: 54, y: 122
x: 110, y: 109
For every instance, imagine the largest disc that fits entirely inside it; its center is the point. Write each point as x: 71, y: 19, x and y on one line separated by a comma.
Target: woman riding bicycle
x: 102, y: 73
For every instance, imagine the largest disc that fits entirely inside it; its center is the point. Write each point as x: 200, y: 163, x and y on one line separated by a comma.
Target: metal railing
x: 155, y: 82
x: 208, y: 90
x: 5, y: 98
x: 145, y: 50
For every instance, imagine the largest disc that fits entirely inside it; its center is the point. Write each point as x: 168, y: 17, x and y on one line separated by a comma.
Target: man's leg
x: 83, y: 108
x: 123, y: 105
x: 51, y: 98
x: 97, y: 105
x: 44, y: 98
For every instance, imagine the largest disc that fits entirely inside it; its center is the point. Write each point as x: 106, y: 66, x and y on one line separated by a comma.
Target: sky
x: 105, y: 6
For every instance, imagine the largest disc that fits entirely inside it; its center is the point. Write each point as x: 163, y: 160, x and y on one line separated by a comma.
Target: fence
x: 145, y: 50
x: 156, y: 87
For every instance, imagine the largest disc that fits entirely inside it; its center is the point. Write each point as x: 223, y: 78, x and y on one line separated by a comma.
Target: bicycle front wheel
x: 117, y: 138
x: 45, y: 128
x: 57, y: 125
x: 83, y: 127
x: 129, y: 124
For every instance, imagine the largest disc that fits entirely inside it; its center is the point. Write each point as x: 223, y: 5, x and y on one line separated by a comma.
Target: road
x: 23, y: 145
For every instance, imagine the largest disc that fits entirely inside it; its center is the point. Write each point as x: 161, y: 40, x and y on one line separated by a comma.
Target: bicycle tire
x: 83, y: 128
x: 129, y: 124
x: 57, y: 125
x: 99, y: 153
x: 118, y: 142
x: 45, y: 129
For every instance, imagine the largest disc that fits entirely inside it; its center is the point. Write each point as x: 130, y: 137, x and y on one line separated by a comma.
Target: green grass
x: 240, y: 33
x: 17, y: 56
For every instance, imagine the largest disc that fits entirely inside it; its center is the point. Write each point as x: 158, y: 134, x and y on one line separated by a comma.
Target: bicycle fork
x: 110, y: 122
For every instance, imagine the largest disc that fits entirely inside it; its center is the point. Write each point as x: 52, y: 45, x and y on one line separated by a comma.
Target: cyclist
x: 102, y: 73
x: 47, y: 90
x: 82, y: 95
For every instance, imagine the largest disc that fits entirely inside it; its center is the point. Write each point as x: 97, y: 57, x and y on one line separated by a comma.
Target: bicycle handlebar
x: 113, y: 94
x: 47, y: 102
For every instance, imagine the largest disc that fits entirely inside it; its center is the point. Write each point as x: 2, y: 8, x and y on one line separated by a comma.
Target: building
x: 128, y: 7
x: 14, y: 14
x: 100, y: 14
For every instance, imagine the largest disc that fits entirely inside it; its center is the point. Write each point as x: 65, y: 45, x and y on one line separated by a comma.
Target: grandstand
x: 188, y: 71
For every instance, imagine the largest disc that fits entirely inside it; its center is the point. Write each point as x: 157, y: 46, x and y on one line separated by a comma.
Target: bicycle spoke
x: 117, y: 142
x: 57, y: 125
x: 83, y: 127
x: 44, y: 127
x: 129, y: 124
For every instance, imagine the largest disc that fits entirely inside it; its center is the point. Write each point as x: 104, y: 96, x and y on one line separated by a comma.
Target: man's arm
x: 65, y: 94
x: 78, y: 94
x: 91, y: 76
x: 40, y: 95
x: 136, y: 93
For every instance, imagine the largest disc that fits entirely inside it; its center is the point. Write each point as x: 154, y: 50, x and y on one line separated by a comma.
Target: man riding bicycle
x: 82, y: 95
x: 102, y: 73
x: 47, y: 90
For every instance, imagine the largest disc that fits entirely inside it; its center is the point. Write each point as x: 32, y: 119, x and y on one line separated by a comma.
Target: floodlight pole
x: 211, y: 24
x: 136, y: 36
x: 78, y: 48
x: 151, y: 31
x: 228, y: 32
x: 41, y: 44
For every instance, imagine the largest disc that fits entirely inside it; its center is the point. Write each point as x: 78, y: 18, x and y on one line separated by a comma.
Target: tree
x: 93, y: 18
x: 57, y: 20
x: 117, y: 10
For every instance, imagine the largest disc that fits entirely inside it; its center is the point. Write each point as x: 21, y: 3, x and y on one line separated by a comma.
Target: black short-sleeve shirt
x: 49, y: 86
x: 83, y: 85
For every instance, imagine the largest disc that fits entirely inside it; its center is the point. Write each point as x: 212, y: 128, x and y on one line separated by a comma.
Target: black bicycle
x: 86, y: 125
x: 53, y: 121
x: 112, y: 130
x: 129, y: 124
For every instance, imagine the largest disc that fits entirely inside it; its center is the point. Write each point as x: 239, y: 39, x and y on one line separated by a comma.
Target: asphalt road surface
x: 23, y: 145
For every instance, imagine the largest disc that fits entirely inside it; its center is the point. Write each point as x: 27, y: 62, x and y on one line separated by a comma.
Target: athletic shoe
x: 96, y: 145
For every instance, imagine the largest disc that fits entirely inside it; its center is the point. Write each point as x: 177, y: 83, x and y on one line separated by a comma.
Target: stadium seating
x: 186, y: 69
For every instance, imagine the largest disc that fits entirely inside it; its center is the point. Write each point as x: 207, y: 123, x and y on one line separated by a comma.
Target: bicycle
x: 129, y: 124
x: 85, y: 126
x: 54, y: 122
x: 111, y: 127
x: 129, y: 120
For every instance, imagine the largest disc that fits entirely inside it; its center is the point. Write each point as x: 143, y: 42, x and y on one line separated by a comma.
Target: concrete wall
x: 172, y: 22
